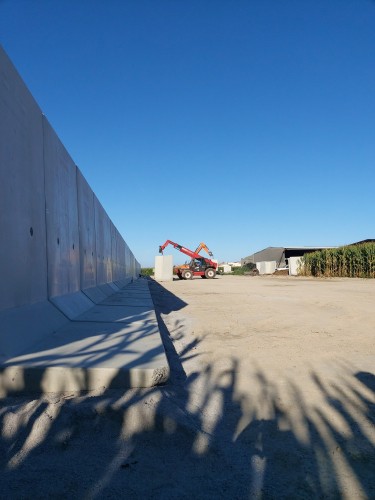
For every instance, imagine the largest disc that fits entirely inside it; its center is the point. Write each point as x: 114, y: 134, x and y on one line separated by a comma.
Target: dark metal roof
x: 363, y: 241
x: 275, y: 253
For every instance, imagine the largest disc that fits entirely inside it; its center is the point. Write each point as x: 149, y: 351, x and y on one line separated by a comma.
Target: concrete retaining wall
x: 56, y: 238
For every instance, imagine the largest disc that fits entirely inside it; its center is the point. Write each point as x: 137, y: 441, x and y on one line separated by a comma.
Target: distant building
x: 280, y: 255
x: 271, y: 258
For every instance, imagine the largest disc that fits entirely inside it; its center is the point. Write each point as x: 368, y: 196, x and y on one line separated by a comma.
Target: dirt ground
x: 271, y: 395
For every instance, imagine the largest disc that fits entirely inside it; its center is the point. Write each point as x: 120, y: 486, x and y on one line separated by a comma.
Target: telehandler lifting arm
x: 182, y: 249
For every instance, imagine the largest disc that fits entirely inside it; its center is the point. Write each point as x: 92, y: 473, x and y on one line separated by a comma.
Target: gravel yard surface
x: 271, y: 395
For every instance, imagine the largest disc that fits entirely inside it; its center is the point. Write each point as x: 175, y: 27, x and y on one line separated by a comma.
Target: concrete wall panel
x: 87, y: 239
x: 121, y: 257
x: 103, y: 244
x: 22, y: 212
x: 61, y: 216
x: 118, y: 255
x: 114, y: 258
x: 127, y: 261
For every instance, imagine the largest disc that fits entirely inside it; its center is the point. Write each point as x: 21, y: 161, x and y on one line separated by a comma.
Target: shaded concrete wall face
x: 128, y: 265
x: 103, y: 244
x: 61, y: 216
x: 22, y: 203
x: 87, y: 235
x: 56, y: 238
x: 118, y: 254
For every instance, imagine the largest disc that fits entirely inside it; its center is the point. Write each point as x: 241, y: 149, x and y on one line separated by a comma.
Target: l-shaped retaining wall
x: 59, y: 251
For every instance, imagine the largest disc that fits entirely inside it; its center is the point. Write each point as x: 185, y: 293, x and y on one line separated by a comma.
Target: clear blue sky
x: 244, y: 124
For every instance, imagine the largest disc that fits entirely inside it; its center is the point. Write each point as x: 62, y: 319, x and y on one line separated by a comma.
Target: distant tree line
x: 147, y: 271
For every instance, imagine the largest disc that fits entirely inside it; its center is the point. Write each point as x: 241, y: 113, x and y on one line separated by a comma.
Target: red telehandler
x: 198, y: 266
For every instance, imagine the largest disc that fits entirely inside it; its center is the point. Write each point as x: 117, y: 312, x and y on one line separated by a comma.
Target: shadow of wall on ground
x: 156, y: 443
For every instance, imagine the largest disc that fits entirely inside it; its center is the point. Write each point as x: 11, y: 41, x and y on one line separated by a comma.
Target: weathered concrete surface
x: 108, y: 347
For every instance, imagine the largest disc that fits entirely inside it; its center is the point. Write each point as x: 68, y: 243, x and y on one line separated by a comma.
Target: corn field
x: 353, y: 261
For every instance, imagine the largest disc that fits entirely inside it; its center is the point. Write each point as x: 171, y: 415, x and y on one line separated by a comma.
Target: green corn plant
x: 353, y: 261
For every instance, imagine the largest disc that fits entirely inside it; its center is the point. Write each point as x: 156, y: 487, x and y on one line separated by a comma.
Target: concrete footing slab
x: 109, y: 346
x: 115, y: 314
x: 129, y: 299
x: 22, y: 327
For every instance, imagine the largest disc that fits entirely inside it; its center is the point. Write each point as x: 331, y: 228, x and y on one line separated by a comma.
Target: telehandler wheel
x: 187, y: 275
x: 210, y: 273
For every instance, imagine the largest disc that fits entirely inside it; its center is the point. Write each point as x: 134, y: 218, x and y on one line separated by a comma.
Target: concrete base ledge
x: 72, y: 304
x: 109, y: 287
x: 95, y: 294
x: 101, y: 292
x: 87, y: 356
x: 122, y: 283
x: 23, y: 380
x: 109, y: 346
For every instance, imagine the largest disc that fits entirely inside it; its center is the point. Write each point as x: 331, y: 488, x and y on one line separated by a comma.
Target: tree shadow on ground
x: 198, y: 436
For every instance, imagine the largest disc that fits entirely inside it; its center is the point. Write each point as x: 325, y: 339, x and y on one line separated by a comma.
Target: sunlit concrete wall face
x: 55, y: 236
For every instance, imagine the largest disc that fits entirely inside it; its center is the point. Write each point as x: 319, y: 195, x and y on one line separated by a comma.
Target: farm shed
x: 279, y: 254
